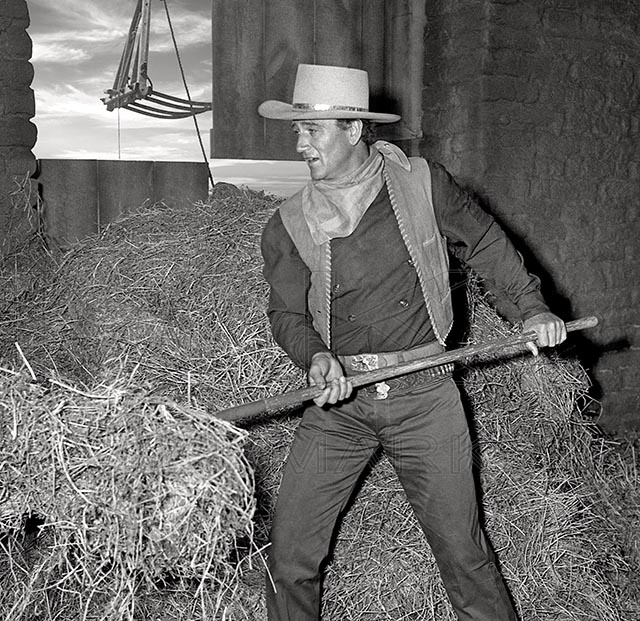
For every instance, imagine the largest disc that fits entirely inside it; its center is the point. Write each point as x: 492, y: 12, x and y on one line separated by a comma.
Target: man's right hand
x: 327, y: 373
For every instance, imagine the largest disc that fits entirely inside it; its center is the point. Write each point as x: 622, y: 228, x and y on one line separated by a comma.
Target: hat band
x: 327, y: 107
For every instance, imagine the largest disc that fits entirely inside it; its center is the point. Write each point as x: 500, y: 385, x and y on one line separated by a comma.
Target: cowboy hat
x: 326, y: 92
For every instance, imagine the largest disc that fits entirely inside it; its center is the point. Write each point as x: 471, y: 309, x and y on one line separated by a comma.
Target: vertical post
x: 238, y: 78
x: 17, y: 132
x: 70, y: 195
x: 404, y: 61
x: 123, y: 187
x: 338, y: 33
x: 289, y: 40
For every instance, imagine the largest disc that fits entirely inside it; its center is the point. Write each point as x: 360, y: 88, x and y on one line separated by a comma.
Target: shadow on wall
x: 579, y: 345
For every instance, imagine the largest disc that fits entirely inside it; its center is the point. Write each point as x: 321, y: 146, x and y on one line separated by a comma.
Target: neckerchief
x: 334, y: 208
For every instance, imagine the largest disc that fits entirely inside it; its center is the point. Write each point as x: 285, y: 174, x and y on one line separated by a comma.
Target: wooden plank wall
x: 81, y: 197
x: 258, y: 44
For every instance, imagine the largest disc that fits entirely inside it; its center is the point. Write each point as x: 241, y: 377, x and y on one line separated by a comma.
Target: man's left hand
x: 549, y: 328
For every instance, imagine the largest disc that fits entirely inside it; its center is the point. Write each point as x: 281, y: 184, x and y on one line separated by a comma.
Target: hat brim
x: 282, y: 111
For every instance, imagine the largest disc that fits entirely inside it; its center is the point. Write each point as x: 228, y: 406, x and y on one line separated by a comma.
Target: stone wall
x: 17, y: 107
x: 535, y: 107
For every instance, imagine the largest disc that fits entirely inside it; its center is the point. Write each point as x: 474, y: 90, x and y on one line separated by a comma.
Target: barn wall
x: 17, y: 132
x: 535, y: 107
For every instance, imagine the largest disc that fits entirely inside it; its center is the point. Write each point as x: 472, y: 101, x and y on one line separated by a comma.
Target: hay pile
x: 167, y: 307
x: 122, y: 344
x: 170, y: 297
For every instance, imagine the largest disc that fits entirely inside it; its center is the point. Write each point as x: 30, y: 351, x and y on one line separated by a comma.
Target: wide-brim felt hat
x: 326, y: 92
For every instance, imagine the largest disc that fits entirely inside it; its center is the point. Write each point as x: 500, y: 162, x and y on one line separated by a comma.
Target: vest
x: 409, y: 186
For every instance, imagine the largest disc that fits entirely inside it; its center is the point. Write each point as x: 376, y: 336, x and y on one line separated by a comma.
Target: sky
x: 77, y: 45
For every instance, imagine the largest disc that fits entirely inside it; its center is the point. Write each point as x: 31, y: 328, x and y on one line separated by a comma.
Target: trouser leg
x: 328, y: 454
x: 428, y: 443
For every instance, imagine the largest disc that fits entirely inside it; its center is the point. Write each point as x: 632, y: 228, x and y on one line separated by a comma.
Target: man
x: 358, y: 273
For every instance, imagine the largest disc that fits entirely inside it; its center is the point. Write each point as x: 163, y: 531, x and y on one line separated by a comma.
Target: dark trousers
x: 424, y: 433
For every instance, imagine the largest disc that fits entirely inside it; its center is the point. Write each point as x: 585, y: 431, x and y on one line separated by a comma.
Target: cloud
x: 67, y: 102
x: 69, y: 31
x: 81, y: 16
x: 189, y: 30
x: 58, y: 52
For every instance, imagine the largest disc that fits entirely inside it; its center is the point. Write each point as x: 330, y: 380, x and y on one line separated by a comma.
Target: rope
x: 119, y: 156
x: 186, y: 88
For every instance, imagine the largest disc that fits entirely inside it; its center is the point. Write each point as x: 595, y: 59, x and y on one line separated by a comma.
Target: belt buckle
x: 382, y: 391
x: 364, y: 362
x: 370, y: 362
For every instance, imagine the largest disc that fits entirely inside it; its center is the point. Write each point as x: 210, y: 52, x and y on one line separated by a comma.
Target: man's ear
x: 355, y: 131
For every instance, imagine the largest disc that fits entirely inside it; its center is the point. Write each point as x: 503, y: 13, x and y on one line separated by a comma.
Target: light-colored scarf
x: 334, y: 208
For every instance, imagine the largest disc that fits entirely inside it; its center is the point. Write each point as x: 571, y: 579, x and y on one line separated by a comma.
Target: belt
x: 361, y: 363
x: 368, y: 362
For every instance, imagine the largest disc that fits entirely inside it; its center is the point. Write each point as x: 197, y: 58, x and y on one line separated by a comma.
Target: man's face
x: 328, y: 150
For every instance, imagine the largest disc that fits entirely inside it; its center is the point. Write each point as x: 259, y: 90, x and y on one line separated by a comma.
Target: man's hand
x: 326, y: 372
x: 550, y: 330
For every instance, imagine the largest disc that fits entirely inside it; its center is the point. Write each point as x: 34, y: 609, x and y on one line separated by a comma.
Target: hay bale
x: 169, y: 304
x: 133, y: 490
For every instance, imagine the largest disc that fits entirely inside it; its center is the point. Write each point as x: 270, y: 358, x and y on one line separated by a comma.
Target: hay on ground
x: 541, y: 501
x: 133, y: 490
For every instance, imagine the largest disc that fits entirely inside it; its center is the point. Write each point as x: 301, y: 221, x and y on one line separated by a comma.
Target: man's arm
x: 291, y: 324
x: 485, y: 248
x: 288, y: 278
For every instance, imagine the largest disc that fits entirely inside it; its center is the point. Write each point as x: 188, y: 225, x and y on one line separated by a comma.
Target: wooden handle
x: 295, y: 397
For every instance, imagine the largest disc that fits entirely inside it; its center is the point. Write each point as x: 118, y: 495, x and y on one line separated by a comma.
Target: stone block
x: 15, y: 73
x: 620, y: 411
x: 15, y: 43
x: 17, y: 160
x: 19, y: 101
x: 14, y: 9
x: 17, y: 132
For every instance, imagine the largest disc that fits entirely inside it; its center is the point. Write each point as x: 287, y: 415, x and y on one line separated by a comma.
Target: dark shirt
x: 377, y: 302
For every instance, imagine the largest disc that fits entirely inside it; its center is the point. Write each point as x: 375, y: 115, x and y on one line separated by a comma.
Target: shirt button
x: 351, y: 318
x: 404, y: 303
x: 336, y: 287
x: 410, y: 262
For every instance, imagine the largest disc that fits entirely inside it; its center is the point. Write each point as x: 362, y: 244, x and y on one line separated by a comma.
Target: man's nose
x: 301, y: 144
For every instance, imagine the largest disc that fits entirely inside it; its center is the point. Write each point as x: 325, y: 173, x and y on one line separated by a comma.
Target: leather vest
x: 409, y: 186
